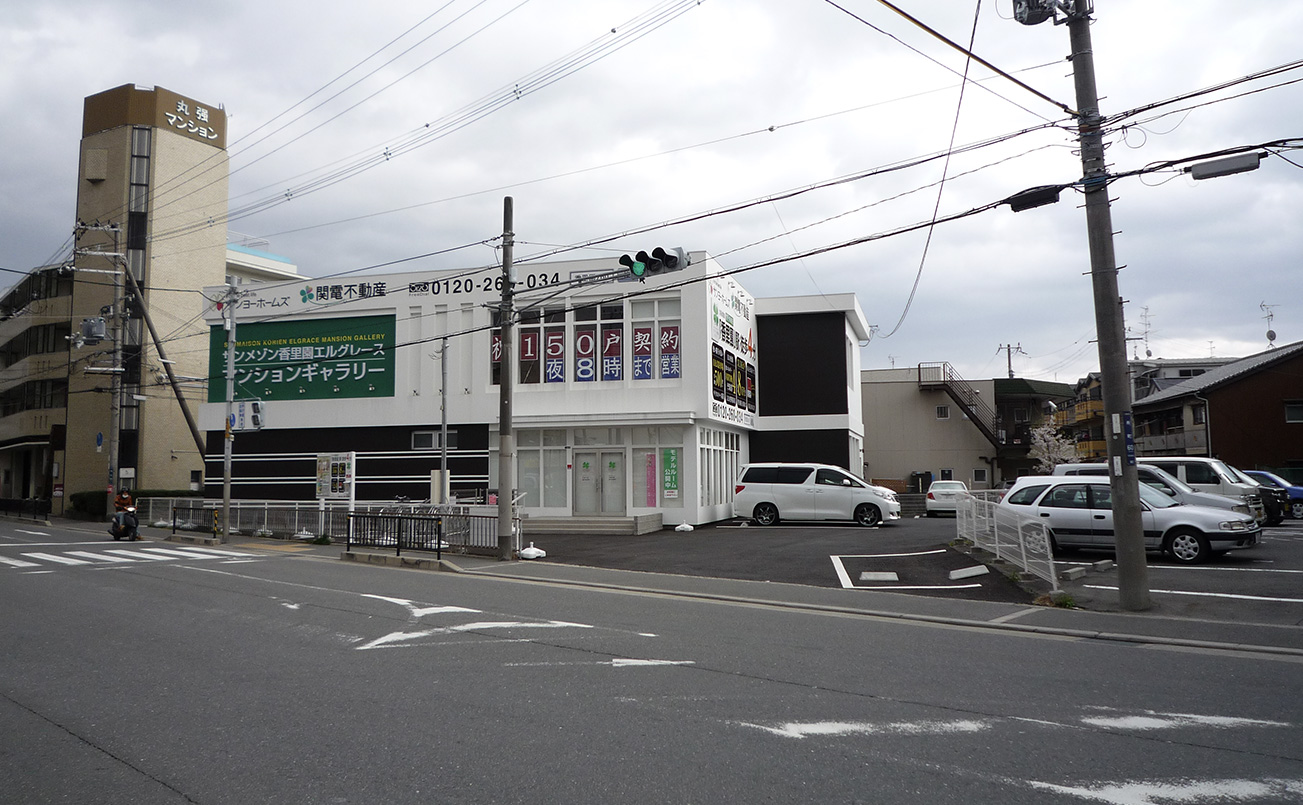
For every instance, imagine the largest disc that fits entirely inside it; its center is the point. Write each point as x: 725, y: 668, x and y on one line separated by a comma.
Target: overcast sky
x: 682, y: 108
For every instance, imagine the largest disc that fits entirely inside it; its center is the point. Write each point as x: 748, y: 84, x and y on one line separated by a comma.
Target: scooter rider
x: 125, y: 525
x: 122, y: 500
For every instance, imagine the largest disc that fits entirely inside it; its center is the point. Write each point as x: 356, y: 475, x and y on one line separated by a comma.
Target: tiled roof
x: 1222, y: 374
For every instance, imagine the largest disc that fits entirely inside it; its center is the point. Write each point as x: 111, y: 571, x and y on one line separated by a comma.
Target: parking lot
x: 1263, y: 584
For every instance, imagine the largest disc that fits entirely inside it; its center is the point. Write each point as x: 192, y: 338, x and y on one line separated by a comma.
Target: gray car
x: 1166, y: 483
x: 1078, y: 511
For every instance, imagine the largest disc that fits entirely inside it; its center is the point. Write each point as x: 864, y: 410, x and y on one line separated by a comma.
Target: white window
x: 948, y: 475
x: 943, y: 412
x: 979, y: 475
x: 429, y: 439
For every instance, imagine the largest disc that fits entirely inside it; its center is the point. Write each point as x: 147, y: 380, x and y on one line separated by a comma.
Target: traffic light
x: 643, y: 264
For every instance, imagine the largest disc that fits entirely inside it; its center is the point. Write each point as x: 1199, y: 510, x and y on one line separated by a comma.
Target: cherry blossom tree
x: 1050, y: 449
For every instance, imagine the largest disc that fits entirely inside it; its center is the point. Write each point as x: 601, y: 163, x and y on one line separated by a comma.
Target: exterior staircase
x: 979, y: 411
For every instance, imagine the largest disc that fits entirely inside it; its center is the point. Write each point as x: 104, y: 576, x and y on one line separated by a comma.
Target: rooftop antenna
x: 1271, y: 334
x: 1144, y: 319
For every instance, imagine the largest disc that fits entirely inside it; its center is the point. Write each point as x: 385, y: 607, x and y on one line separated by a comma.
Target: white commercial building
x: 630, y: 397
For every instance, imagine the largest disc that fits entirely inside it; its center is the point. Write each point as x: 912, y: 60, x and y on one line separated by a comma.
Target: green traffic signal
x: 636, y: 267
x: 659, y: 260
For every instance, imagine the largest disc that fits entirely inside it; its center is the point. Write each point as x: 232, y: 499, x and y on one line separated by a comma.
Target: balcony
x: 1174, y: 443
x: 1092, y: 449
x: 1087, y: 409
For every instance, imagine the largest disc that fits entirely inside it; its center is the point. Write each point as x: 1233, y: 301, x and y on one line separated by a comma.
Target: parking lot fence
x: 1013, y: 537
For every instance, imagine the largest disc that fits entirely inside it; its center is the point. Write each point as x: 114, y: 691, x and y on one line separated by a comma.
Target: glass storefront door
x: 599, y: 482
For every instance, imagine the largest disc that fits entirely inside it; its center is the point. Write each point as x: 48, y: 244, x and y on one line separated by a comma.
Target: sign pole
x: 228, y: 312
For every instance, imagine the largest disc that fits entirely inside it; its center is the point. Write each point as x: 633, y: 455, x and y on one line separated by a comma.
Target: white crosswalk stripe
x: 123, y: 556
x: 54, y: 557
x: 99, y: 557
x: 138, y: 555
x: 17, y: 562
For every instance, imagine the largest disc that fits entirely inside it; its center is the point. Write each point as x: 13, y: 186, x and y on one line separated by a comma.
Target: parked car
x: 1293, y: 492
x: 943, y: 496
x: 1168, y: 484
x: 766, y: 493
x: 1078, y: 511
x: 1210, y: 475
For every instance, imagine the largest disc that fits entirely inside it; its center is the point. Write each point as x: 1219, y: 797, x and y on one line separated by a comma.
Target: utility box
x: 439, y: 487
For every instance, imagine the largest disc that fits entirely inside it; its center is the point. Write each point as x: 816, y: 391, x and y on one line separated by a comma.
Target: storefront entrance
x: 599, y: 482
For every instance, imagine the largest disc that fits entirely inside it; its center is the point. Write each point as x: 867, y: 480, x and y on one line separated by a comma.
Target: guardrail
x: 1016, y: 538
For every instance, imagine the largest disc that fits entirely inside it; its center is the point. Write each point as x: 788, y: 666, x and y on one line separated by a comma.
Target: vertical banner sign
x: 335, y: 474
x: 586, y: 353
x: 717, y: 372
x: 307, y: 360
x: 643, y: 353
x: 554, y: 355
x: 651, y: 478
x: 529, y: 356
x: 670, y: 473
x: 671, y: 361
x: 612, y: 351
x: 730, y: 378
x: 733, y: 352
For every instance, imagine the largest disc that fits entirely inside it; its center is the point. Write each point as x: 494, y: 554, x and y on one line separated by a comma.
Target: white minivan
x: 1210, y: 475
x: 766, y: 493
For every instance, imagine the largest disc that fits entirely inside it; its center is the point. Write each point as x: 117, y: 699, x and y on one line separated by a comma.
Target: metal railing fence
x: 402, y: 525
x: 1013, y: 537
x: 465, y: 533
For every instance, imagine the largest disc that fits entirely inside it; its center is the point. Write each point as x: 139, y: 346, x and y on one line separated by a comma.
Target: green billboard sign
x: 306, y: 360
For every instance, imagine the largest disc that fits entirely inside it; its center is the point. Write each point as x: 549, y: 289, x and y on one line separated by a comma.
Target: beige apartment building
x: 151, y: 200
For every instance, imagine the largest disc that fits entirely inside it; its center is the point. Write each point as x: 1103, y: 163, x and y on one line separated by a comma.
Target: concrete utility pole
x: 506, y: 440
x: 115, y: 402
x: 1133, y: 573
x: 1009, y: 350
x: 228, y: 314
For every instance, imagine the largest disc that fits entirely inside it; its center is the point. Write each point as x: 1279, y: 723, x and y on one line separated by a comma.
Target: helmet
x: 131, y: 509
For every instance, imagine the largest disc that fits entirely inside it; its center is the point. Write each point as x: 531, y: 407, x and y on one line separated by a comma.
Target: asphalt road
x: 157, y: 673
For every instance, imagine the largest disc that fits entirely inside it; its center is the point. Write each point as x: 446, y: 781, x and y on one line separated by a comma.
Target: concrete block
x: 870, y: 575
x: 1072, y: 573
x: 969, y: 572
x: 1102, y: 565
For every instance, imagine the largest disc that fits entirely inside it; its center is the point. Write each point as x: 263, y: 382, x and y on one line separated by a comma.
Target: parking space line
x: 1236, y: 596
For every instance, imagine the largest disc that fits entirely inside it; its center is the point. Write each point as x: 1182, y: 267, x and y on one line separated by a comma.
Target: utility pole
x: 1128, y: 530
x: 506, y: 439
x: 115, y: 401
x: 114, y: 312
x: 1009, y: 350
x: 228, y: 316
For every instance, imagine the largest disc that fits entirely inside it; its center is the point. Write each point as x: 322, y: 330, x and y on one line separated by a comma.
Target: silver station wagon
x: 1078, y: 511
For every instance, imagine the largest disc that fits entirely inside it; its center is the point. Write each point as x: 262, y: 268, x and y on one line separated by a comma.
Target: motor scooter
x: 125, y: 525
